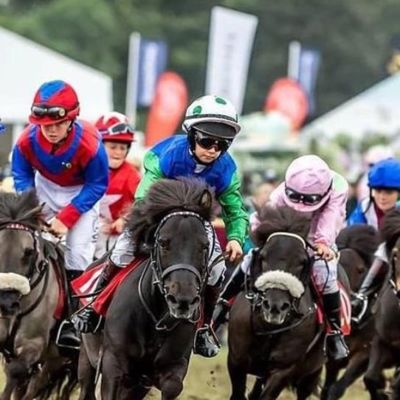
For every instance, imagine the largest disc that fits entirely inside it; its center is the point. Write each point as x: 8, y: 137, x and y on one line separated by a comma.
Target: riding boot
x: 88, y: 321
x: 67, y: 335
x: 231, y: 289
x: 205, y: 341
x: 359, y: 301
x: 336, y: 348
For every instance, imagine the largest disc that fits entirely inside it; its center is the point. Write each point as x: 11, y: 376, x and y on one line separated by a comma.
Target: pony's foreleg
x: 357, y: 365
x: 276, y: 383
x: 257, y: 389
x: 380, y: 354
x: 332, y: 372
x: 116, y: 384
x: 171, y: 382
x: 238, y: 375
x: 16, y: 376
x: 86, y: 376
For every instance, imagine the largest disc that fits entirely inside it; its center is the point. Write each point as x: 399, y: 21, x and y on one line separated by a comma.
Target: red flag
x: 288, y: 97
x: 166, y: 111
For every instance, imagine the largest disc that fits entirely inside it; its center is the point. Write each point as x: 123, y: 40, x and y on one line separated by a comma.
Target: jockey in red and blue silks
x: 384, y: 186
x: 311, y: 187
x: 65, y: 160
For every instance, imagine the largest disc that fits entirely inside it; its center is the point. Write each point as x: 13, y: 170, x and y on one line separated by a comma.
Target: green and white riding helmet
x: 212, y: 115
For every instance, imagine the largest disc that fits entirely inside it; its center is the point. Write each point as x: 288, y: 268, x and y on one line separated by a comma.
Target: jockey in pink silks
x: 310, y: 187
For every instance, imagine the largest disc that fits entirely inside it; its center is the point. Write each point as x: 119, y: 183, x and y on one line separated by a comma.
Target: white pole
x: 294, y: 60
x: 132, y: 78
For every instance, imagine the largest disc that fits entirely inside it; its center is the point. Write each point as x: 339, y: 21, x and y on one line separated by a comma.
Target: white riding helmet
x: 211, y: 109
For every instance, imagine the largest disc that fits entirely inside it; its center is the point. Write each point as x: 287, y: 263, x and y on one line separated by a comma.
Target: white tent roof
x: 375, y: 110
x: 25, y: 65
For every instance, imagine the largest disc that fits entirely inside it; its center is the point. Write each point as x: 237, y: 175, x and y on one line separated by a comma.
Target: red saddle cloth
x: 62, y: 296
x: 345, y: 311
x: 87, y: 283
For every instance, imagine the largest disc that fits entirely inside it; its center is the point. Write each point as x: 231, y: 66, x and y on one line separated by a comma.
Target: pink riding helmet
x: 308, y: 175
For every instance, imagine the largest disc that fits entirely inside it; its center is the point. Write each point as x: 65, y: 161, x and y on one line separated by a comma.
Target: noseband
x: 155, y: 259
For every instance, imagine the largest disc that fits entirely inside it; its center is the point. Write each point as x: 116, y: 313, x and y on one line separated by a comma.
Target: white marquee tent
x: 25, y: 65
x: 375, y: 110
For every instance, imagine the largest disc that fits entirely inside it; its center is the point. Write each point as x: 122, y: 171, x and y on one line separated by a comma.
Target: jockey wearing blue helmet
x: 384, y: 184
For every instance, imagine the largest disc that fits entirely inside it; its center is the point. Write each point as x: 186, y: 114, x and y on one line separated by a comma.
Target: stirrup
x: 360, y: 315
x: 73, y: 341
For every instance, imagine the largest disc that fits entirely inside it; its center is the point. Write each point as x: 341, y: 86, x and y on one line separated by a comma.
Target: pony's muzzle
x: 275, y: 311
x: 12, y: 287
x: 9, y: 302
x: 182, y: 307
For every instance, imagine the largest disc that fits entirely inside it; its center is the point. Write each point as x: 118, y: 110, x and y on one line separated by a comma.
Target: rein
x: 159, y: 274
x: 41, y: 268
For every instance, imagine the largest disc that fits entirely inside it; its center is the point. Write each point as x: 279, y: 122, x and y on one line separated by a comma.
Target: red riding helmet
x: 114, y: 127
x: 54, y: 102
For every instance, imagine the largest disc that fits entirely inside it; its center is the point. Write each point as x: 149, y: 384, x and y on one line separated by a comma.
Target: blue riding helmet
x: 385, y: 175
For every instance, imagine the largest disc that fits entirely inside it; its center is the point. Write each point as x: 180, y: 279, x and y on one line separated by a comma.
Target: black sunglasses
x: 207, y: 142
x: 306, y: 199
x: 52, y: 112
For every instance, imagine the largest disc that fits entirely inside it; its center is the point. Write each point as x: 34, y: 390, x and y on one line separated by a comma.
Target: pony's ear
x: 206, y: 199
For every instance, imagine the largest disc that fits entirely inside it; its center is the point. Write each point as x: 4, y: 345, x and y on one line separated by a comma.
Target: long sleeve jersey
x: 80, y: 160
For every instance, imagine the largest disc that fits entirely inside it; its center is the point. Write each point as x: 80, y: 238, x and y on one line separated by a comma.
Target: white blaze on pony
x: 13, y: 281
x: 280, y: 280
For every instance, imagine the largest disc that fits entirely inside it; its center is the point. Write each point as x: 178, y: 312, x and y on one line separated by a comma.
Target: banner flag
x: 230, y: 43
x: 167, y: 109
x: 303, y: 66
x: 147, y: 61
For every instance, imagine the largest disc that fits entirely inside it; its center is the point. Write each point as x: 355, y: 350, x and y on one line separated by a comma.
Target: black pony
x: 151, y: 322
x: 275, y: 335
x: 357, y: 245
x: 385, y: 346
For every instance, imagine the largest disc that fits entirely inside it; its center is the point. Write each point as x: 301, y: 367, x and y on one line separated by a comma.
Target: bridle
x: 161, y: 273
x: 37, y: 271
x: 257, y: 297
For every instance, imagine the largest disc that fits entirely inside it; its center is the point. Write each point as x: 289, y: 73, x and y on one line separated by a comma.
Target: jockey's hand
x: 324, y: 251
x: 118, y: 225
x: 57, y: 228
x: 234, y: 250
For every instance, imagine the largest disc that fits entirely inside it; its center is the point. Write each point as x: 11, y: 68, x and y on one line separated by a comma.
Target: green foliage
x: 353, y: 37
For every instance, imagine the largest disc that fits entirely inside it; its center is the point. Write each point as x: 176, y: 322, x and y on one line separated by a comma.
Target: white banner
x: 231, y: 40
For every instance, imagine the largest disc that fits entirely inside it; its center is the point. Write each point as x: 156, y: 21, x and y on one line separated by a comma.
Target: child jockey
x: 310, y: 187
x: 64, y: 159
x: 384, y: 186
x: 211, y: 123
x: 117, y: 136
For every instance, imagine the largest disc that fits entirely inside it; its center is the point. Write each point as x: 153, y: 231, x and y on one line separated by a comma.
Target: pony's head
x: 283, y: 261
x: 172, y: 222
x: 19, y: 225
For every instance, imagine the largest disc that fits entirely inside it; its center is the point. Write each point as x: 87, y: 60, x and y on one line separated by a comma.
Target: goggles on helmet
x: 51, y: 112
x: 207, y: 142
x: 306, y: 199
x: 117, y: 129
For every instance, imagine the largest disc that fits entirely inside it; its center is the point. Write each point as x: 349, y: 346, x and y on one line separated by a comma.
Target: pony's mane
x: 362, y: 238
x: 165, y: 196
x: 17, y: 208
x: 280, y: 219
x: 390, y: 230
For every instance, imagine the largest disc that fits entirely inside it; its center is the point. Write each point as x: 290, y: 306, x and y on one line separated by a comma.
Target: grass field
x: 208, y: 380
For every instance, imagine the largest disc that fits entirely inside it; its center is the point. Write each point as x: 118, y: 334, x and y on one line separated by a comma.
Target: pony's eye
x: 28, y: 254
x: 164, y: 243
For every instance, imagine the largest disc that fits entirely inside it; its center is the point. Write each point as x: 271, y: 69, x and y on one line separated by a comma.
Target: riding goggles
x: 207, y: 142
x: 117, y: 129
x: 52, y: 112
x: 306, y: 199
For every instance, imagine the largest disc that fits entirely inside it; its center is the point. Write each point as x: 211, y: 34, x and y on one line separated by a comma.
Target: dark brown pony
x: 28, y: 298
x: 385, y: 346
x: 275, y: 335
x: 357, y: 245
x: 151, y: 322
